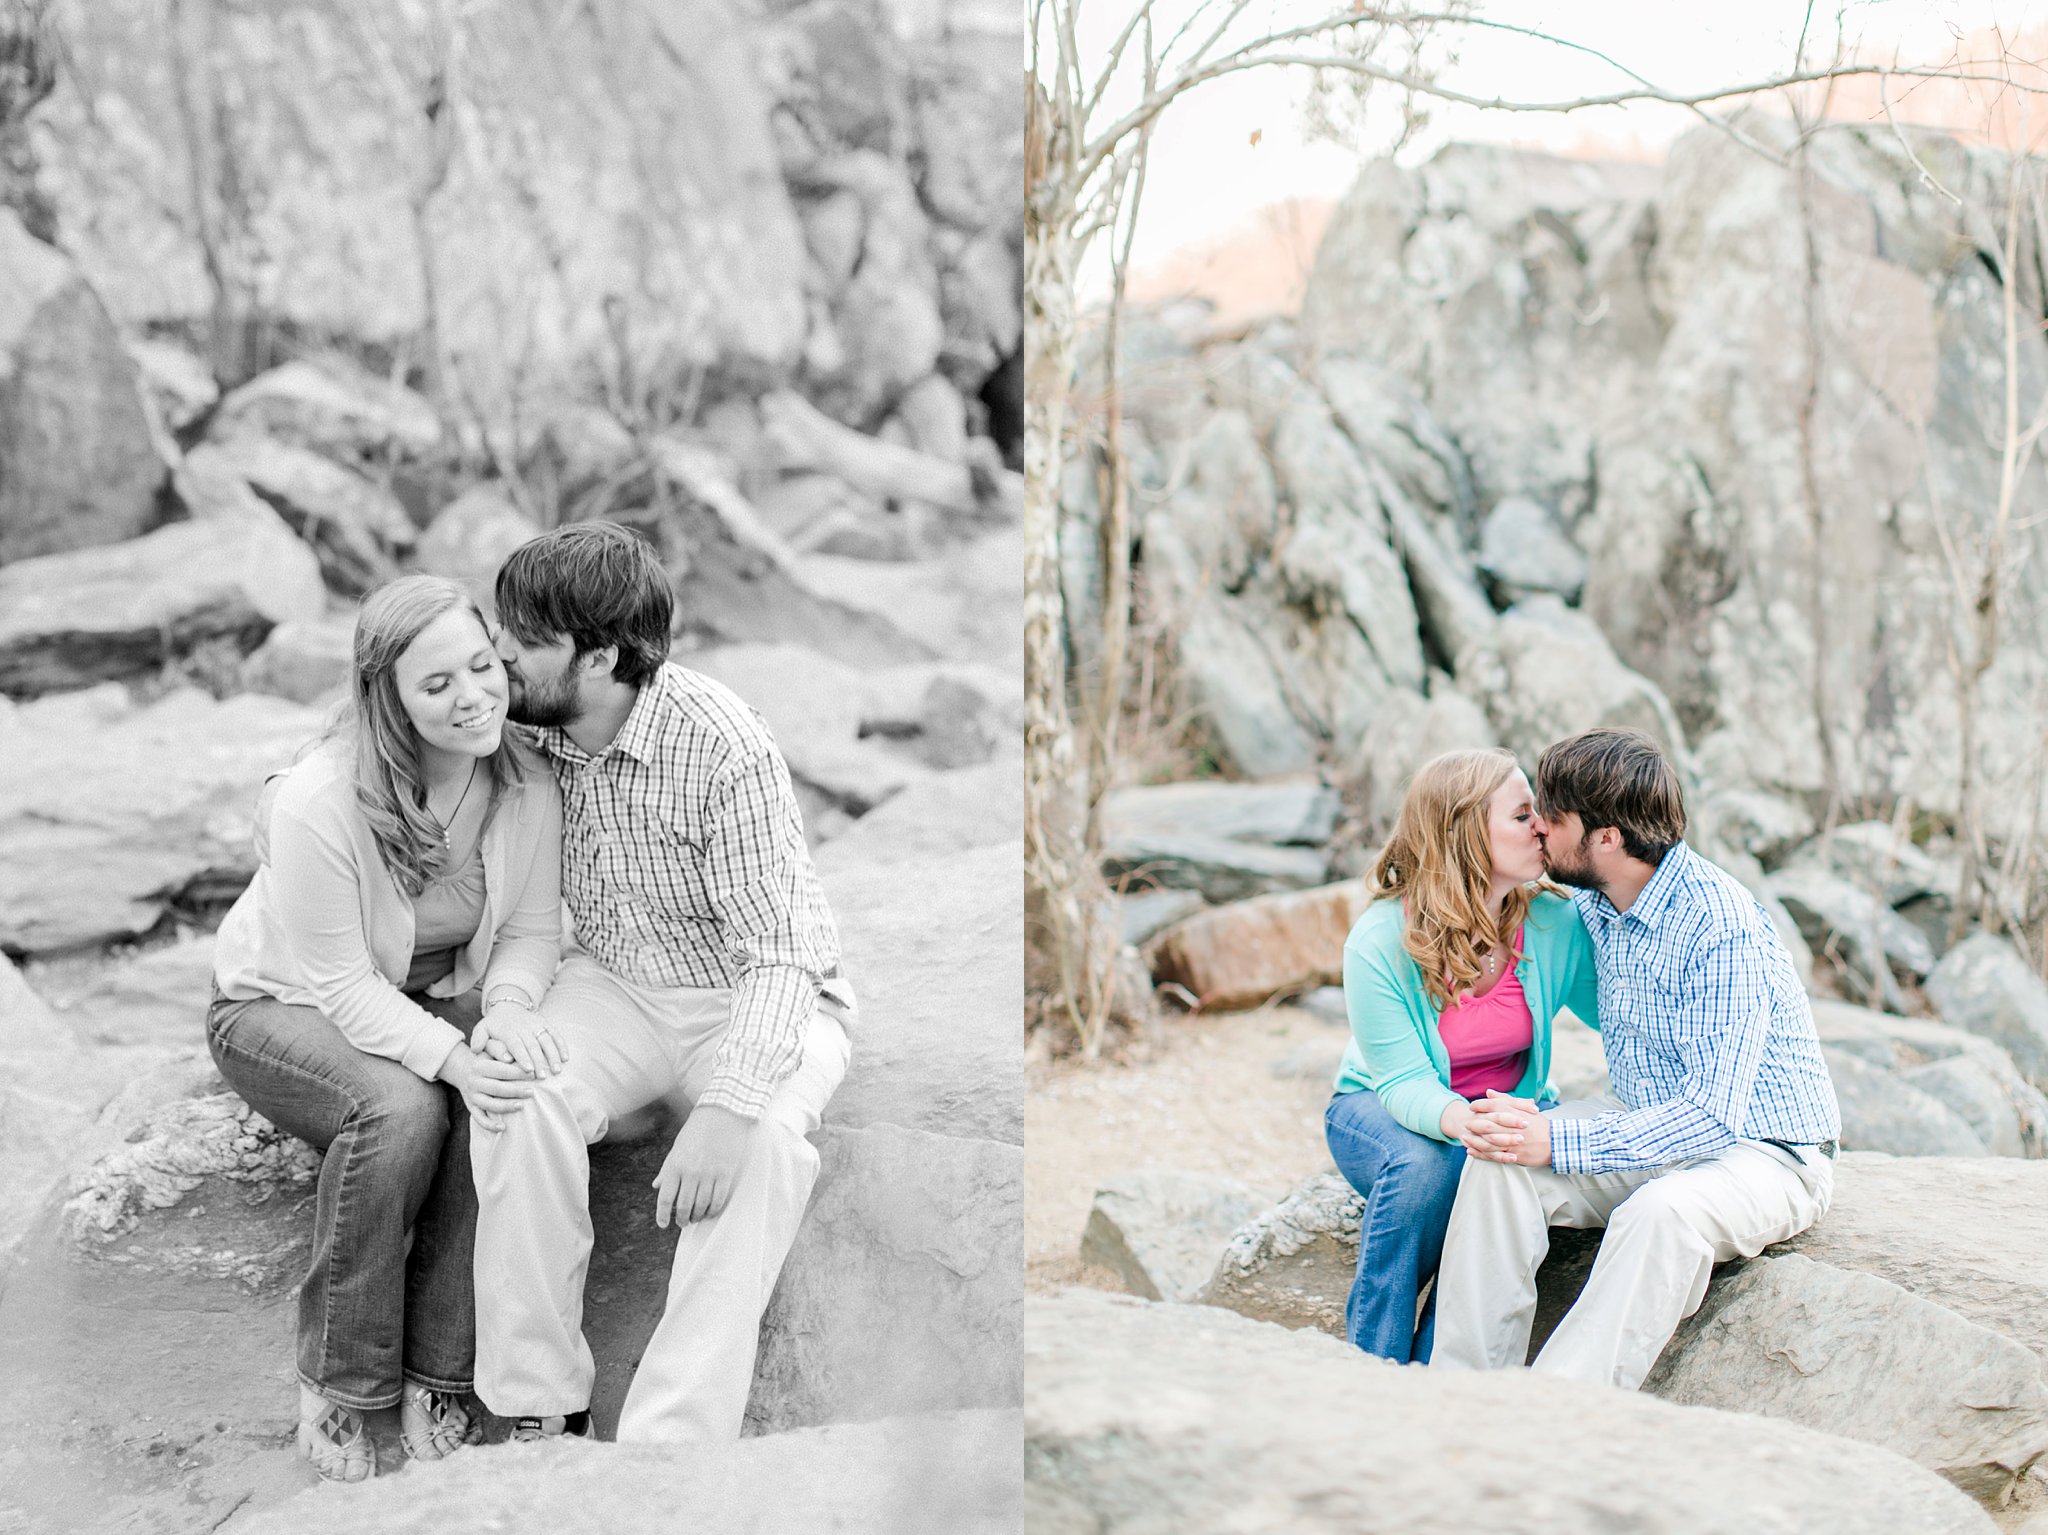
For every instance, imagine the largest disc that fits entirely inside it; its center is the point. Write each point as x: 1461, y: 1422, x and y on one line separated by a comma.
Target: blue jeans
x: 1409, y: 1182
x: 371, y: 1315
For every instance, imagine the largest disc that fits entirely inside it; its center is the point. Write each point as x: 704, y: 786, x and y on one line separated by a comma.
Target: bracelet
x: 516, y: 998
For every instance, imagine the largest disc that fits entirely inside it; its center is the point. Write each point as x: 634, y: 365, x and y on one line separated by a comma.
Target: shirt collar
x: 638, y: 738
x: 1655, y: 898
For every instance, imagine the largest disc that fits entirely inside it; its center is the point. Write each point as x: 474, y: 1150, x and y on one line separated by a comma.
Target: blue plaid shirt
x: 1708, y: 1034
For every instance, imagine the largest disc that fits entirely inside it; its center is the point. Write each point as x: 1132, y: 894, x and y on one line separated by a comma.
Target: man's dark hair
x: 1617, y: 778
x: 596, y: 583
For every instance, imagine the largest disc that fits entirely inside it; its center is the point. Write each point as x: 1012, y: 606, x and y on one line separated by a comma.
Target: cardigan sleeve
x: 1397, y: 1065
x: 529, y: 941
x: 1582, y: 995
x: 319, y: 908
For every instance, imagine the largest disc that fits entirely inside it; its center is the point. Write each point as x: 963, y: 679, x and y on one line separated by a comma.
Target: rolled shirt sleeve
x: 754, y: 856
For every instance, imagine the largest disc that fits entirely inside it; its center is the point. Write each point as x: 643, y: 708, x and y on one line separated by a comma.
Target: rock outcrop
x: 1251, y: 952
x: 1851, y: 1354
x: 127, y: 610
x: 89, y: 851
x: 1159, y: 1231
x: 933, y: 1474
x: 77, y: 464
x: 1142, y: 1416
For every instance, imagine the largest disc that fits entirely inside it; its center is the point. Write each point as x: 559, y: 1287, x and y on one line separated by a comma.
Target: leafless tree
x: 28, y: 73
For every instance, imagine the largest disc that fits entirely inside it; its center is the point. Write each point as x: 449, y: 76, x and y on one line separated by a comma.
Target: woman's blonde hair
x: 391, y: 787
x: 1439, y: 863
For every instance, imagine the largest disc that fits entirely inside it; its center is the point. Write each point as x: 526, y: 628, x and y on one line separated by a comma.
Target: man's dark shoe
x: 575, y: 1426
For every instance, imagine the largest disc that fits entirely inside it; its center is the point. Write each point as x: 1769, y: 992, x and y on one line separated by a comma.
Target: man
x: 1723, y: 1136
x: 705, y: 969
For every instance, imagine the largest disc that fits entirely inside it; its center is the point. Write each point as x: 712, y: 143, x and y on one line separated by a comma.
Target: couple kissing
x: 1719, y: 1132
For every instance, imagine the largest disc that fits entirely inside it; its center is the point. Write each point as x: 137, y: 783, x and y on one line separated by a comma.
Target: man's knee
x: 1664, y: 1208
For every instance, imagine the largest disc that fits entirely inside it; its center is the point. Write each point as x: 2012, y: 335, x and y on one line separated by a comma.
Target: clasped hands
x: 511, y: 1049
x: 1500, y: 1128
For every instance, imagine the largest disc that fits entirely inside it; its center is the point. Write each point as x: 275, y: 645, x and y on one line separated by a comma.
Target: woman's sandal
x: 433, y: 1424
x: 338, y: 1445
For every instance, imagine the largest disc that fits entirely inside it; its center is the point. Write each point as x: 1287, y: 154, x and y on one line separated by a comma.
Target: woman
x: 1452, y: 978
x: 412, y: 874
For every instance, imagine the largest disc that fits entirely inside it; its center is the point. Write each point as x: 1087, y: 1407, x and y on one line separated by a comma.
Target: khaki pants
x: 1666, y: 1229
x: 626, y: 1046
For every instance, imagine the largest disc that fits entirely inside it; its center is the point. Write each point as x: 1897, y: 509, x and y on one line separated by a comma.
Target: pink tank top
x: 1488, y: 1038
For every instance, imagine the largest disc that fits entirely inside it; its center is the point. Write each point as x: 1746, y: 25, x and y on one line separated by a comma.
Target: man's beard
x: 554, y: 707
x: 1579, y: 874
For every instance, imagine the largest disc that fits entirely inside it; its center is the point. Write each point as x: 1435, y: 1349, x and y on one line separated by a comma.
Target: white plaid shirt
x: 684, y: 864
x: 1708, y: 1033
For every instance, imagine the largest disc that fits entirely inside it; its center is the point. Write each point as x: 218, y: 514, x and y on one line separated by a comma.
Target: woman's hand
x: 515, y: 1034
x: 492, y: 1089
x: 1457, y: 1115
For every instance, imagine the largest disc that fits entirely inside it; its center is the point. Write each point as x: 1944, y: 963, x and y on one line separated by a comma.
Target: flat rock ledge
x: 930, y: 1474
x: 1144, y: 1417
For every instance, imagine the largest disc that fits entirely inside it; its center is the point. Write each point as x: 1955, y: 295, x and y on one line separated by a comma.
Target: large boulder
x: 470, y: 536
x: 935, y: 815
x: 1971, y: 1267
x: 950, y: 1473
x: 1843, y: 919
x: 1883, y: 1112
x: 1523, y: 551
x: 1984, y: 986
x: 152, y: 1004
x: 936, y: 1047
x: 1249, y: 952
x: 357, y: 529
x: 905, y: 1289
x: 307, y: 660
x: 95, y: 848
x: 1159, y: 1231
x: 1851, y: 1354
x: 1967, y: 1073
x: 1277, y: 813
x: 1142, y: 1416
x: 332, y: 406
x: 1223, y: 870
x: 1546, y: 671
x: 77, y: 464
x: 812, y: 703
x: 123, y: 611
x: 54, y: 1087
x: 1968, y: 1235
x: 1294, y: 1263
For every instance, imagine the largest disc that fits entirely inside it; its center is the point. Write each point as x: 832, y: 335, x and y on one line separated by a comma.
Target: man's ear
x: 1609, y: 837
x: 599, y: 663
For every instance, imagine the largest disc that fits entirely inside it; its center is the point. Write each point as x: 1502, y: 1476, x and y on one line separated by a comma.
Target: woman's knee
x: 405, y: 1113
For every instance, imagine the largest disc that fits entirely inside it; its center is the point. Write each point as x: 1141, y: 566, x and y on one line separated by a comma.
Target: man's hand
x: 1504, y: 1128
x: 702, y: 1166
x: 518, y: 1036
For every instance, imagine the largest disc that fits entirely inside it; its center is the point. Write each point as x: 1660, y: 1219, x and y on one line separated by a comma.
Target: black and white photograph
x: 511, y: 976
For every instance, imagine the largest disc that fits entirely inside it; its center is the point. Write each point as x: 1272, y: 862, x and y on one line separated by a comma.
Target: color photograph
x: 1536, y: 752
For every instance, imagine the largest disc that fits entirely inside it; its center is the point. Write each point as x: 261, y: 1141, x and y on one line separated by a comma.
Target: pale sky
x: 1207, y: 177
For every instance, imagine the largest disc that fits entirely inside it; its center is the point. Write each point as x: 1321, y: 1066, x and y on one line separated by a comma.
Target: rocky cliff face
x: 1720, y: 437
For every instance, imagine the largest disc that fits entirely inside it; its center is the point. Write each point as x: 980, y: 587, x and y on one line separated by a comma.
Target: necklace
x: 447, y: 844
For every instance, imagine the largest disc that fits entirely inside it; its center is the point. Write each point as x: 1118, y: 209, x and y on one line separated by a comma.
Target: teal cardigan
x: 1395, y: 1048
